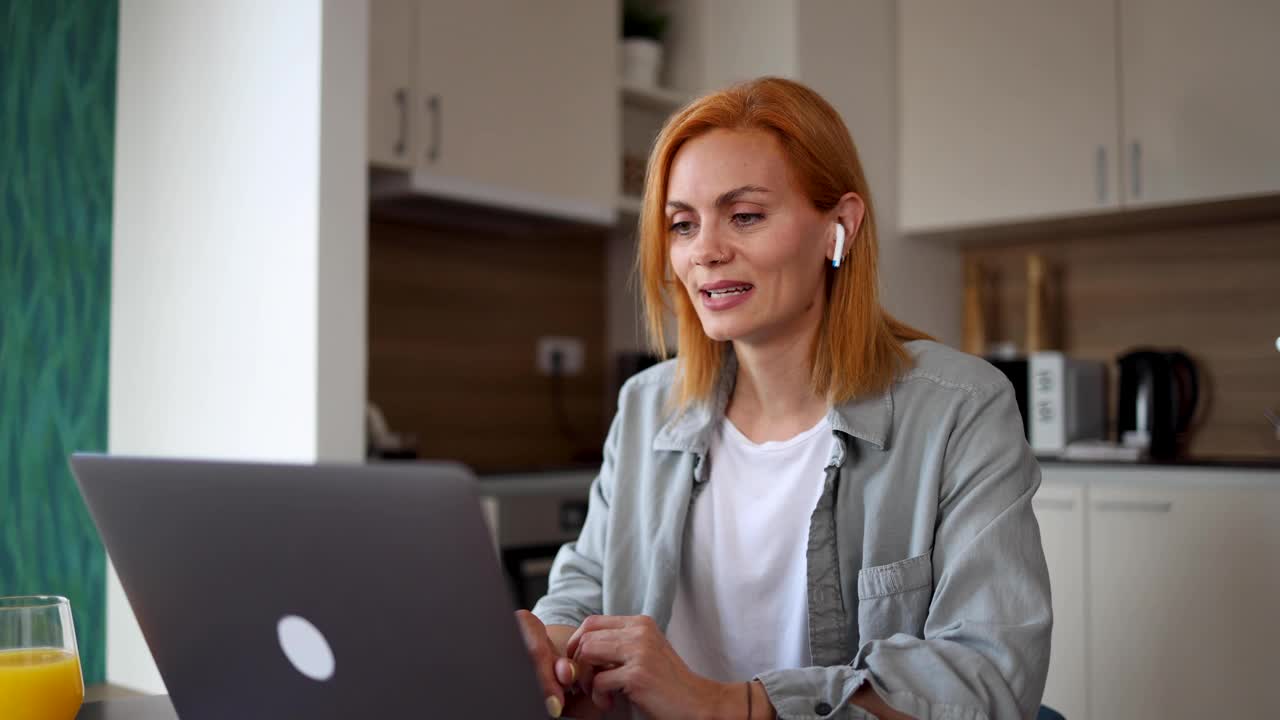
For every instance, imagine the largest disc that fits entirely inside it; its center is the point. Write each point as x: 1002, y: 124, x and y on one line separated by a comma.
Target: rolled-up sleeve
x: 575, y: 585
x: 985, y: 650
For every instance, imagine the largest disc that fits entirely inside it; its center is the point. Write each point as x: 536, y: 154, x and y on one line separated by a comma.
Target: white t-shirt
x: 741, y: 604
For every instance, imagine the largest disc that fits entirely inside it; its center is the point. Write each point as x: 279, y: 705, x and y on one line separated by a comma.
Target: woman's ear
x: 849, y: 211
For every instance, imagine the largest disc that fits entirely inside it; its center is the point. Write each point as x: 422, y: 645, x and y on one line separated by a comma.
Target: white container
x: 1066, y: 401
x: 641, y: 62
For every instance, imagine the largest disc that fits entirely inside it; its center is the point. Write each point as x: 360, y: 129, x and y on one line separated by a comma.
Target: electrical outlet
x: 570, y: 350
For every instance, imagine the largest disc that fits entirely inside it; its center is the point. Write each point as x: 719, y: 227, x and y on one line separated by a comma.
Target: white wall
x: 238, y: 278
x: 847, y: 51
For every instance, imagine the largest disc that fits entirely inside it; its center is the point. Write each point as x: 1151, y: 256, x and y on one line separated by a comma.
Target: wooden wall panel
x: 454, y: 318
x: 1213, y: 290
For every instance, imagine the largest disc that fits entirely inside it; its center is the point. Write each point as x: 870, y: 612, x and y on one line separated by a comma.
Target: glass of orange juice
x: 39, y: 665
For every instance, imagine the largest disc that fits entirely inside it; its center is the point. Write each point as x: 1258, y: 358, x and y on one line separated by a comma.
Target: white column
x: 239, y: 249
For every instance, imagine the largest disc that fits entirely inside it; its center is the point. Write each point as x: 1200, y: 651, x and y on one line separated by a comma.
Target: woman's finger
x: 607, y: 683
x: 606, y: 647
x: 586, y: 676
x: 600, y: 622
x: 544, y: 660
x: 566, y: 672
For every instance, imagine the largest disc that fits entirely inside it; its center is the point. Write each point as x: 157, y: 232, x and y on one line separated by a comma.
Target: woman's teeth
x: 728, y: 291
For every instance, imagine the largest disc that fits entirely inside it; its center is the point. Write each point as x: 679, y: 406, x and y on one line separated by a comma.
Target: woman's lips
x: 725, y: 297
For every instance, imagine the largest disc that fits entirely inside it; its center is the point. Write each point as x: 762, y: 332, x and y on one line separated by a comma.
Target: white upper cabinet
x: 391, y: 29
x: 517, y: 103
x: 1201, y: 99
x: 1007, y: 110
x: 1016, y: 110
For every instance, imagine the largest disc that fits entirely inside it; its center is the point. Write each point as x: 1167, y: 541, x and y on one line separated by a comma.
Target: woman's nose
x: 709, y: 247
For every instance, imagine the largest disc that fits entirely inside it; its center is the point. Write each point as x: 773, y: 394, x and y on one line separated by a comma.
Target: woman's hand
x: 633, y: 657
x: 562, y: 680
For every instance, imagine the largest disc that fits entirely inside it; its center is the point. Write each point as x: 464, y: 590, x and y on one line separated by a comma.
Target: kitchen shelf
x: 660, y: 99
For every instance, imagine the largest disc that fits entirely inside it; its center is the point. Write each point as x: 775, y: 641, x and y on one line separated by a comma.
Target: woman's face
x: 747, y: 245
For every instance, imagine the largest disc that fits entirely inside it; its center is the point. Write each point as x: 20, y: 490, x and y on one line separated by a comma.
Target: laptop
x: 325, y: 591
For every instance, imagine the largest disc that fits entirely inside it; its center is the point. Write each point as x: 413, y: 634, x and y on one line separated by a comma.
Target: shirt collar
x: 868, y: 418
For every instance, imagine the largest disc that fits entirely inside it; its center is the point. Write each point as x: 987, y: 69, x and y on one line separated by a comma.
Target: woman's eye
x: 684, y: 227
x: 743, y: 219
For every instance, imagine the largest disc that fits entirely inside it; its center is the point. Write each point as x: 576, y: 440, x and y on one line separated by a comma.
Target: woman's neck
x: 773, y: 397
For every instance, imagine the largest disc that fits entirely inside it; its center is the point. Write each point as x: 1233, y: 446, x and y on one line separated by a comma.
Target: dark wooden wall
x: 454, y: 318
x: 1211, y: 289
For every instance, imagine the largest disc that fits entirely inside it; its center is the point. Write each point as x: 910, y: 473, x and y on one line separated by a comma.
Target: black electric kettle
x: 1159, y: 390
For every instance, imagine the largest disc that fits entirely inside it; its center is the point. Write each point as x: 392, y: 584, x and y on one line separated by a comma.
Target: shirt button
x: 822, y: 708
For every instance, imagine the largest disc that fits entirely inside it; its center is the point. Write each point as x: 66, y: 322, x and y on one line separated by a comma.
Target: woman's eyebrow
x: 725, y: 198
x: 736, y: 193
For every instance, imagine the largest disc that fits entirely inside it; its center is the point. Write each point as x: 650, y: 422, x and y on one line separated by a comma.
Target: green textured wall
x: 57, y: 119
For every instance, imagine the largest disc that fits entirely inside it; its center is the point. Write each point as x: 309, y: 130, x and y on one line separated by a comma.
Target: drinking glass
x: 39, y: 664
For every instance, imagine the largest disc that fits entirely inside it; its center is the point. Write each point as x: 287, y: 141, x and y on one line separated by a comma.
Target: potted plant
x: 642, y: 28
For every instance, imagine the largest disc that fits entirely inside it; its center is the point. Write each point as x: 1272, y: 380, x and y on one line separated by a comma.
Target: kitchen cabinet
x: 517, y: 104
x: 391, y: 28
x: 1060, y: 510
x: 1164, y: 582
x: 1007, y: 111
x: 497, y: 103
x: 1015, y: 111
x: 1201, y: 102
x: 1184, y: 583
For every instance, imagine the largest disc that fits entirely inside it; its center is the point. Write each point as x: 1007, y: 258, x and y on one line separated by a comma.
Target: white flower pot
x: 641, y: 61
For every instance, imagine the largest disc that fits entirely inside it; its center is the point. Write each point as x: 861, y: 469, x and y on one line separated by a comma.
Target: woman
x: 813, y: 510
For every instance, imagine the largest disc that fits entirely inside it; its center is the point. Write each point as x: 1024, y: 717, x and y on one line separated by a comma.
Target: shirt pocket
x: 894, y: 598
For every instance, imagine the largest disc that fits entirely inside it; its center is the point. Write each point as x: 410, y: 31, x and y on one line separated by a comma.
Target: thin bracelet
x: 748, y: 700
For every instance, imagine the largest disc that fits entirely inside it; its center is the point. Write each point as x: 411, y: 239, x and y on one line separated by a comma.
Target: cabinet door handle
x: 437, y: 131
x: 1101, y: 170
x: 1135, y: 168
x: 402, y: 102
x: 1053, y: 504
x: 1132, y: 506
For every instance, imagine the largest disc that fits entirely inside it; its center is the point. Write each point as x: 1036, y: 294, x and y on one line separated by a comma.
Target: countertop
x: 1202, y: 462
x: 156, y: 707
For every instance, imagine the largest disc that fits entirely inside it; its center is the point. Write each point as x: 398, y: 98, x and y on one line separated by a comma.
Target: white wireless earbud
x: 835, y: 261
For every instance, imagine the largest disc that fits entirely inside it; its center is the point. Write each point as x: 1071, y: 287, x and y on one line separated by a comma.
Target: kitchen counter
x: 1200, y: 475
x: 1203, y: 462
x: 155, y: 707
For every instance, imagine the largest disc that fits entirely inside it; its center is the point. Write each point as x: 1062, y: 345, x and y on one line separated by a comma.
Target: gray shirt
x: 926, y: 576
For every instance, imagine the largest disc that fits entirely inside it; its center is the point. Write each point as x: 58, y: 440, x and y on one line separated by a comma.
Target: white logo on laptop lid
x: 305, y: 647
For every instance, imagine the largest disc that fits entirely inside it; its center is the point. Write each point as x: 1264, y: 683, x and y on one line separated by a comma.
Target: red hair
x: 859, y: 347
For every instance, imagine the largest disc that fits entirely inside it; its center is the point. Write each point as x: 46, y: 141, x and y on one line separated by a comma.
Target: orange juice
x: 40, y: 684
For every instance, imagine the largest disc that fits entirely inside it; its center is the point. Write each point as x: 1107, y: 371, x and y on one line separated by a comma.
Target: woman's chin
x: 715, y: 333
x: 721, y: 332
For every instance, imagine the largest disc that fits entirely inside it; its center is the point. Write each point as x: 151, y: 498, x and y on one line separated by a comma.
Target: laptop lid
x: 328, y: 591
